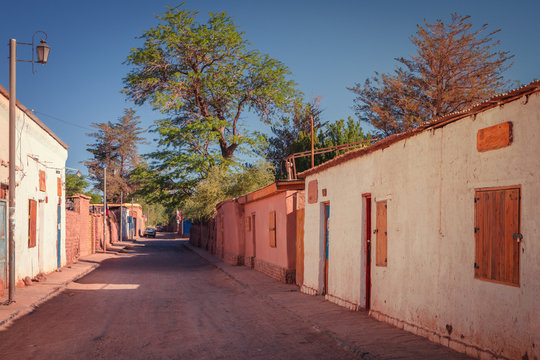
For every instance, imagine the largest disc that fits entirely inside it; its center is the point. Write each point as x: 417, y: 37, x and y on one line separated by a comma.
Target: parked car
x: 159, y: 228
x: 150, y: 232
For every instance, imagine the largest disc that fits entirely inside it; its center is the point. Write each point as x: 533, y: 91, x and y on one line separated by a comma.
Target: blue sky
x: 328, y: 45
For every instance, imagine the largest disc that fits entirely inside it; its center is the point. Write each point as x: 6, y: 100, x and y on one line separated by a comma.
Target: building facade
x: 437, y: 230
x: 40, y: 199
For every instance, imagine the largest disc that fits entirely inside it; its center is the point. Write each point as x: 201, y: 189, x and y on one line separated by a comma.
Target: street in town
x: 162, y: 299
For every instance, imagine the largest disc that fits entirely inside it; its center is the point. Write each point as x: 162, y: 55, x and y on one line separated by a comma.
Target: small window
x: 497, y: 237
x: 272, y: 228
x: 381, y: 234
x: 32, y: 214
x: 42, y: 183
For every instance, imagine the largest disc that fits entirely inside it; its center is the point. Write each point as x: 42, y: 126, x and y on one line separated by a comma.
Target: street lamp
x: 42, y: 56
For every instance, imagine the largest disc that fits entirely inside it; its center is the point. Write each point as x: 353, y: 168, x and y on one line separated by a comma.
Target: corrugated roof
x: 31, y: 115
x: 492, y: 102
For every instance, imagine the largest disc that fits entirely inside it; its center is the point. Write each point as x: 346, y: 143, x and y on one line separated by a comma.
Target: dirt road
x: 162, y: 301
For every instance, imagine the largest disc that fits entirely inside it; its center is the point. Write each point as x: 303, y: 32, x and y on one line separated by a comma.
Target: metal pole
x: 312, y: 147
x: 12, y: 165
x: 121, y: 214
x: 105, y: 209
x: 131, y: 231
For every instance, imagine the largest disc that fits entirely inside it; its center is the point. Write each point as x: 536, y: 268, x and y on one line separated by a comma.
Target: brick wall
x: 77, y: 227
x: 286, y: 276
x: 73, y: 241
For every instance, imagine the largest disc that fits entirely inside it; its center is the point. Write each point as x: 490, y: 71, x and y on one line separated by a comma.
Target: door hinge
x: 518, y: 237
x: 476, y: 266
x: 476, y: 199
x: 476, y: 229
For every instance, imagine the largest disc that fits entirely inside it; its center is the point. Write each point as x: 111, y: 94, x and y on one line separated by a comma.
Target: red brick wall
x: 77, y: 229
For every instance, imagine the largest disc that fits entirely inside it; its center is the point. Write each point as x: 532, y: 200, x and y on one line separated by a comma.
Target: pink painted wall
x: 230, y: 236
x: 284, y: 254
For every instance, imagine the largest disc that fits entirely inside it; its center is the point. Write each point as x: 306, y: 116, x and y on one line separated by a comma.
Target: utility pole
x: 312, y: 147
x: 121, y: 214
x: 12, y: 165
x: 105, y: 209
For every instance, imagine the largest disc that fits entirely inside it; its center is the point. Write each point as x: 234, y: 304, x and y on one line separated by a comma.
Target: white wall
x: 36, y: 150
x: 429, y: 181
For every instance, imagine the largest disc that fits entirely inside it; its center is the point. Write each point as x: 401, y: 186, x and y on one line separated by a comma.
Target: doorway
x: 326, y: 207
x: 253, y: 239
x: 3, y: 242
x: 59, y: 235
x: 367, y: 236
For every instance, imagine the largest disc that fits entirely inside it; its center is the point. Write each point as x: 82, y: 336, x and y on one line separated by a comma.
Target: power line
x: 61, y: 120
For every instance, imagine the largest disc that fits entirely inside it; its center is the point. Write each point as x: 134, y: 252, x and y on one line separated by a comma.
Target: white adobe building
x: 40, y: 201
x: 437, y: 230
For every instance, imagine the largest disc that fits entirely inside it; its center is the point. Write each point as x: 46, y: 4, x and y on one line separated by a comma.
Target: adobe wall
x: 429, y: 182
x: 278, y: 262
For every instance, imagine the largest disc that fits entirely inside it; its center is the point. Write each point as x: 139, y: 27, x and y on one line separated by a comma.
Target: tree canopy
x: 454, y: 68
x: 204, y: 77
x: 115, y: 147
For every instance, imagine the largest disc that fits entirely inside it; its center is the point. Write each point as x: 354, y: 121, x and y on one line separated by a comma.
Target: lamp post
x: 42, y: 56
x: 105, y: 209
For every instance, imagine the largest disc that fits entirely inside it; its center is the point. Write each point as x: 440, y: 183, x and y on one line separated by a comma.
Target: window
x: 497, y: 237
x: 382, y: 234
x: 42, y: 184
x: 59, y: 186
x: 32, y: 214
x: 272, y: 228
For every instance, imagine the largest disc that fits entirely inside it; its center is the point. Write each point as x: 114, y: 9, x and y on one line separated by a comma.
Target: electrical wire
x: 61, y: 120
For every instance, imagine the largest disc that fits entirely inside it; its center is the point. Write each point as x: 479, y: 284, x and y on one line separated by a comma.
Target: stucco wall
x: 284, y: 204
x: 230, y: 234
x: 36, y: 150
x: 429, y: 181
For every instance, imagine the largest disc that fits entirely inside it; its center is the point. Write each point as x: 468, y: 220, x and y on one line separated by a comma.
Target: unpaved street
x: 162, y: 301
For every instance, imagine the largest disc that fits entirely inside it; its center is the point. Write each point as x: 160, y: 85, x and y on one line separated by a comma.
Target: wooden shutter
x: 32, y: 215
x: 382, y: 234
x: 497, y: 237
x: 42, y: 182
x: 272, y: 228
x: 59, y: 186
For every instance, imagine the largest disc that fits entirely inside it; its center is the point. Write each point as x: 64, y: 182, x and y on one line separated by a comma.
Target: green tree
x: 75, y: 184
x: 115, y: 147
x: 454, y: 68
x: 204, y: 77
x: 221, y: 184
x: 293, y: 134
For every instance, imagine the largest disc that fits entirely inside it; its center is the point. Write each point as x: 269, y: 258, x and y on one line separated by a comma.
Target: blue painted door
x: 59, y: 238
x: 3, y: 242
x: 326, y: 243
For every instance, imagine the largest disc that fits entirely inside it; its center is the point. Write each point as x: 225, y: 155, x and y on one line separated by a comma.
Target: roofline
x: 490, y: 103
x: 31, y: 115
x: 272, y: 189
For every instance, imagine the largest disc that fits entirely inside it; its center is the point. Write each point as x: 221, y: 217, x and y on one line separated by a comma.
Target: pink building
x: 258, y: 230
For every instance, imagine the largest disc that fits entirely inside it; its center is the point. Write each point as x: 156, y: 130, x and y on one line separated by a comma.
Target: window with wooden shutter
x: 381, y: 234
x: 497, y: 234
x: 42, y: 183
x: 272, y: 228
x: 59, y: 186
x: 32, y: 215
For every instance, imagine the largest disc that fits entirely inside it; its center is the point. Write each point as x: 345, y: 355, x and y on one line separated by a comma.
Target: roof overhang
x: 272, y: 189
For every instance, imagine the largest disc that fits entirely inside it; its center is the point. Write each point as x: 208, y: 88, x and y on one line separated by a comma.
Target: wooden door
x: 59, y: 236
x: 253, y: 238
x: 3, y: 242
x: 300, y: 247
x: 367, y: 233
x: 326, y: 244
x: 382, y: 234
